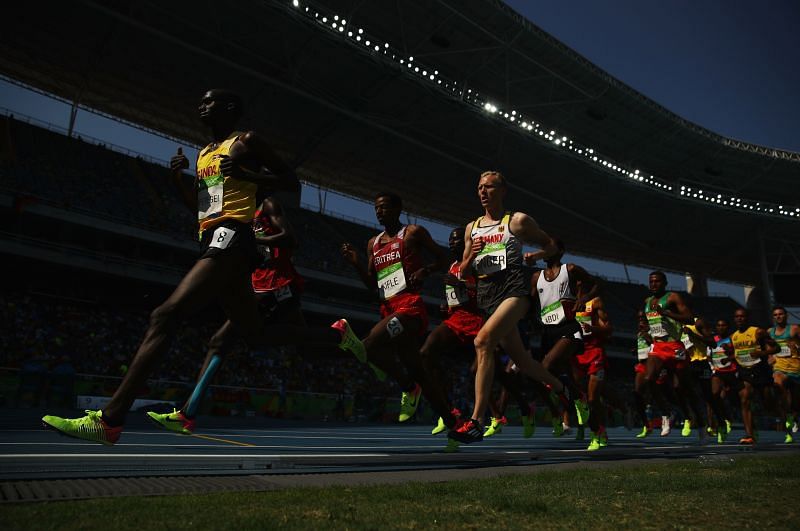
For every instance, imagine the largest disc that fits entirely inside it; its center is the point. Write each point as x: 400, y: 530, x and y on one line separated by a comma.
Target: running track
x: 238, y: 448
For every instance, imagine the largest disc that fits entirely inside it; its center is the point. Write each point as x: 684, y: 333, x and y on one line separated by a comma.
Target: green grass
x: 753, y: 492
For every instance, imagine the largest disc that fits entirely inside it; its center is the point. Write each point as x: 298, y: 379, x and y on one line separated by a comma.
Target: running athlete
x: 697, y: 339
x: 395, y: 270
x: 666, y: 314
x: 229, y: 172
x: 752, y: 346
x: 556, y: 290
x: 493, y: 252
x: 723, y: 375
x: 596, y: 330
x: 786, y: 367
x: 457, y: 332
x: 644, y: 343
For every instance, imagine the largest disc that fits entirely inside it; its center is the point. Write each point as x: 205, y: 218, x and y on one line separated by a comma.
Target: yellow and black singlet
x: 218, y: 197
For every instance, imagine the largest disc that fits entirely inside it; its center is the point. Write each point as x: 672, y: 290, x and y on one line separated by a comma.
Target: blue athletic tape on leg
x: 200, y: 389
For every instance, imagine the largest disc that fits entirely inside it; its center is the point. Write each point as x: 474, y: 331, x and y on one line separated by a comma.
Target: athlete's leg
x: 597, y: 410
x: 207, y: 281
x: 382, y: 344
x: 745, y: 395
x: 653, y: 369
x: 687, y: 398
x: 441, y: 340
x: 640, y: 384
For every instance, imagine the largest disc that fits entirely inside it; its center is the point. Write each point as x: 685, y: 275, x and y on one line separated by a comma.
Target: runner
x: 752, y: 346
x: 786, y: 367
x: 666, y: 313
x: 596, y: 330
x: 556, y: 290
x: 644, y: 344
x: 698, y: 339
x: 494, y: 253
x: 395, y: 271
x: 229, y: 173
x: 723, y: 376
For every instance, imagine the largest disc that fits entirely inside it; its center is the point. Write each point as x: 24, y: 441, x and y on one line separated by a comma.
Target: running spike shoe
x: 594, y: 443
x: 687, y: 428
x: 409, y: 401
x: 582, y: 410
x: 349, y: 340
x: 439, y: 428
x: 747, y: 440
x: 666, y: 429
x: 529, y: 423
x: 467, y: 432
x: 175, y: 421
x: 788, y: 439
x: 92, y: 427
x: 646, y: 430
x: 495, y: 427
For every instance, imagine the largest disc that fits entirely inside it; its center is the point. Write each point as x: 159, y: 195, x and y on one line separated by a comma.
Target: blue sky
x: 728, y: 66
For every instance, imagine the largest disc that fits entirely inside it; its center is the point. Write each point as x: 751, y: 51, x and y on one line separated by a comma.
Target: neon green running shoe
x: 529, y: 423
x: 409, y: 402
x: 496, y: 426
x: 644, y: 433
x: 789, y: 422
x: 349, y: 340
x: 728, y: 427
x: 379, y: 374
x: 580, y: 433
x: 452, y: 446
x: 594, y: 443
x: 711, y: 431
x: 722, y: 435
x: 788, y: 439
x: 92, y: 427
x: 439, y: 428
x: 558, y: 427
x: 175, y: 421
x: 582, y: 410
x: 603, y: 439
x: 687, y: 428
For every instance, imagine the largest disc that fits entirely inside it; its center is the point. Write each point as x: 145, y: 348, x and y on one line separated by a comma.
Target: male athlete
x: 752, y: 346
x: 723, y: 376
x: 556, y: 290
x: 395, y: 270
x: 596, y: 330
x: 666, y: 313
x: 229, y: 172
x: 697, y: 339
x: 786, y: 367
x: 644, y: 344
x: 493, y: 253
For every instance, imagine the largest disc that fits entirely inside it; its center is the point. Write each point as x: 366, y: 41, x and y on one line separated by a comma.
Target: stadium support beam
x: 697, y: 284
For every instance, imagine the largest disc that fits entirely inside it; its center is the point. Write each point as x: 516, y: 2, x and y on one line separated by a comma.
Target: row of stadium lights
x: 339, y: 25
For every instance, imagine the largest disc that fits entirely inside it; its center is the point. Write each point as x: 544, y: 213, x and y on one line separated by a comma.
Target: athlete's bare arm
x: 603, y: 326
x: 419, y: 237
x: 252, y: 151
x: 367, y: 274
x: 284, y: 237
x: 527, y: 230
x: 768, y: 345
x: 471, y: 250
x: 186, y: 184
x: 676, y: 309
x: 583, y: 284
x: 704, y: 333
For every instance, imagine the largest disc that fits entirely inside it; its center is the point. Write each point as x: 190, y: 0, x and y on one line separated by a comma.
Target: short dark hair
x: 394, y: 199
x: 742, y: 308
x: 779, y: 308
x: 659, y: 274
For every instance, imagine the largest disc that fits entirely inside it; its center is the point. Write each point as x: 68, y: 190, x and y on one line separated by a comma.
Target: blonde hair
x: 495, y: 173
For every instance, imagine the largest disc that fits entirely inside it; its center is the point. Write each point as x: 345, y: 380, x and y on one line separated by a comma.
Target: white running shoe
x: 794, y: 427
x: 665, y: 427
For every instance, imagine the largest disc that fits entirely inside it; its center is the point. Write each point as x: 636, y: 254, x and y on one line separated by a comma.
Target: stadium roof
x: 354, y: 118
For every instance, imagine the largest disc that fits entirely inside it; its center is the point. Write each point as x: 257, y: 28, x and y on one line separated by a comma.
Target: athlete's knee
x: 165, y: 317
x: 484, y: 344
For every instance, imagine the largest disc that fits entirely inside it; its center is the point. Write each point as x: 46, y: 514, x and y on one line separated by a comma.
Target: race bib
x: 687, y: 341
x: 455, y: 295
x: 222, y: 237
x: 585, y: 320
x: 642, y: 349
x: 209, y: 197
x: 719, y: 359
x: 391, y: 281
x: 744, y: 358
x: 656, y: 323
x: 785, y: 350
x: 491, y: 259
x: 553, y: 313
x: 283, y: 293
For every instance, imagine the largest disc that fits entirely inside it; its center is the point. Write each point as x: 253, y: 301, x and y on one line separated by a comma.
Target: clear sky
x: 729, y: 66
